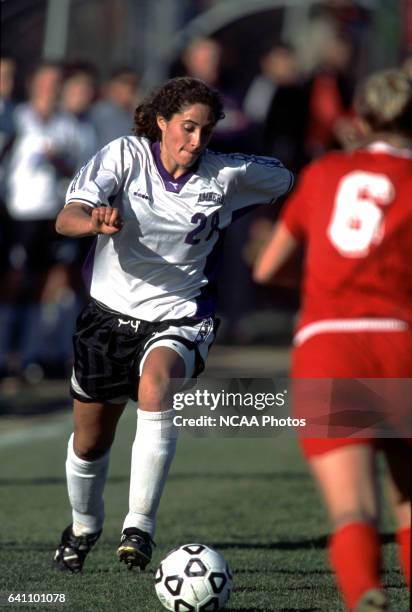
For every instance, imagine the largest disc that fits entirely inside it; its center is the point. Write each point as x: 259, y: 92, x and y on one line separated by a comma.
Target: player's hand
x: 105, y: 220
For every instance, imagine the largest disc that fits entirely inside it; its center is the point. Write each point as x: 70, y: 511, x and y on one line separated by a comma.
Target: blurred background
x: 72, y: 72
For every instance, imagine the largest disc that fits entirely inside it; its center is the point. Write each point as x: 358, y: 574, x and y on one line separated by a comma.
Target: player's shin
x: 153, y: 450
x: 85, y: 484
x: 354, y: 552
x: 403, y: 537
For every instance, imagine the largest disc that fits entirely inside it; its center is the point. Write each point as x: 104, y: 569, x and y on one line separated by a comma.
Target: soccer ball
x: 193, y: 578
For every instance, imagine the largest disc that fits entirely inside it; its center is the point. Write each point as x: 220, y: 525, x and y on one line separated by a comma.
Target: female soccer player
x: 353, y: 213
x: 159, y: 202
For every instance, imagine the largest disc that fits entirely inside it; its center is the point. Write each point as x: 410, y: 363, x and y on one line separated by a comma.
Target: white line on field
x: 36, y: 432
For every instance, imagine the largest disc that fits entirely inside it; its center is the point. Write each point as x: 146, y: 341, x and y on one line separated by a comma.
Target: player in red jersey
x: 353, y: 212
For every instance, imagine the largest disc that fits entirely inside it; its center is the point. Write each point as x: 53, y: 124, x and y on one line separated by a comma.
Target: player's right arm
x: 291, y: 229
x: 276, y: 253
x: 88, y: 210
x: 77, y: 220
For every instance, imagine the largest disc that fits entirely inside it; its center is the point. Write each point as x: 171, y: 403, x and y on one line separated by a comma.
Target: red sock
x: 403, y: 537
x: 354, y: 552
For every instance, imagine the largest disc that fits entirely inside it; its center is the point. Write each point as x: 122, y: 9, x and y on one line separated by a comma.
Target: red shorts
x: 340, y: 355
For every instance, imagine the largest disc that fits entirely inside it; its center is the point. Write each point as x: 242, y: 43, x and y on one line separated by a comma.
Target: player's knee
x: 92, y: 449
x: 154, y: 391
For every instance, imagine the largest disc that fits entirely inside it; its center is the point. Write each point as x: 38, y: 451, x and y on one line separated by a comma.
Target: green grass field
x: 252, y: 499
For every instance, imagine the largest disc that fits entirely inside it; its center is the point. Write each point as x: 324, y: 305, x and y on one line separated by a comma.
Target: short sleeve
x: 261, y: 180
x: 98, y: 181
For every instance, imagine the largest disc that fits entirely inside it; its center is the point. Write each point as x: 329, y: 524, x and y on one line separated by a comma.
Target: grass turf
x: 252, y: 499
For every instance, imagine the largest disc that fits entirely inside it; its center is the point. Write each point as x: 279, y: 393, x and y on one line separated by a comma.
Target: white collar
x: 380, y: 146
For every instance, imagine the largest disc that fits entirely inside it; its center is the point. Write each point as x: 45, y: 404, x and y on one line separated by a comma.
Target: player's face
x: 184, y: 137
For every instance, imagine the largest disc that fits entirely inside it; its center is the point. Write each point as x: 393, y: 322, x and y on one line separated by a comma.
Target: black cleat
x: 135, y: 548
x: 72, y: 550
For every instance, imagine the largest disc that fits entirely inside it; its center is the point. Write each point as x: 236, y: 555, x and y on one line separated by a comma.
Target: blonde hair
x: 384, y: 101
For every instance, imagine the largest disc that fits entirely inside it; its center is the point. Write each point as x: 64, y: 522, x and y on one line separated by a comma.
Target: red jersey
x: 353, y: 211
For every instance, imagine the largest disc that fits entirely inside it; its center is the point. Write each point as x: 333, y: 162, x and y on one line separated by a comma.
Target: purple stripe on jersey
x: 206, y: 300
x: 172, y: 184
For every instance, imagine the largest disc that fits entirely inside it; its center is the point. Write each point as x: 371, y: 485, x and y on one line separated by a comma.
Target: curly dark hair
x: 172, y: 98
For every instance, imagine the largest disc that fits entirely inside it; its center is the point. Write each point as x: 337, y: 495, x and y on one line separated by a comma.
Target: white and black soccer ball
x: 193, y: 578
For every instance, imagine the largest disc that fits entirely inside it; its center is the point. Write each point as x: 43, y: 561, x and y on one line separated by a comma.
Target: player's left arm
x: 281, y: 246
x: 265, y: 179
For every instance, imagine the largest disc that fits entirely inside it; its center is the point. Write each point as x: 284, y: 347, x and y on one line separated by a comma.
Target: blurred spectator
x: 7, y: 105
x: 78, y: 95
x: 7, y: 134
x: 286, y: 118
x: 46, y: 151
x: 278, y: 66
x: 330, y: 92
x: 113, y: 115
x: 202, y: 59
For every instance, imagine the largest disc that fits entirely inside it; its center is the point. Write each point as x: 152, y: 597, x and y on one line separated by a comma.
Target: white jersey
x: 162, y: 263
x: 34, y: 185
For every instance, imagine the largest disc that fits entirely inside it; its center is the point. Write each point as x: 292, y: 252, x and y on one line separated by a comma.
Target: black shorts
x: 110, y: 349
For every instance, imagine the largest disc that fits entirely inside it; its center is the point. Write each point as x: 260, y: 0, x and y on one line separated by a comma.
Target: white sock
x: 152, y: 453
x: 85, y: 484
